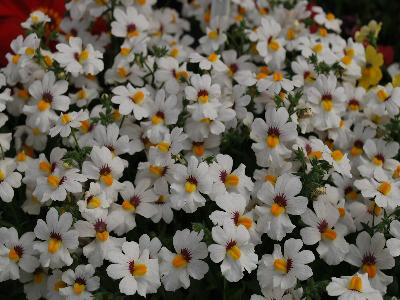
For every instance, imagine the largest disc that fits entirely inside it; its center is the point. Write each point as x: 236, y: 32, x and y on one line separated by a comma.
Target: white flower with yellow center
x: 326, y: 19
x: 129, y: 24
x: 137, y: 200
x: 234, y: 210
x: 338, y: 160
x: 234, y: 249
x: 187, y: 261
x: 77, y: 59
x: 204, y: 97
x: 29, y: 49
x: 385, y: 100
x: 9, y: 180
x: 57, y: 239
x: 56, y: 185
x: 283, y: 270
x: 54, y: 284
x: 189, y: 184
x: 172, y: 74
x: 130, y: 99
x: 214, y: 38
x: 16, y: 253
x: 67, y: 121
x: 79, y: 283
x: 278, y: 201
x: 139, y: 272
x: 371, y: 256
x: 35, y: 283
x: 327, y: 102
x: 275, y: 83
x: 305, y: 74
x: 272, y: 137
x: 164, y: 111
x: 163, y: 206
x: 98, y: 228
x: 95, y: 203
x: 270, y: 46
x: 332, y: 247
x: 366, y: 212
x: 36, y: 18
x: 105, y: 168
x: 383, y: 189
x: 378, y: 156
x: 48, y: 96
x: 84, y: 96
x: 212, y: 61
x: 355, y: 287
x: 227, y: 180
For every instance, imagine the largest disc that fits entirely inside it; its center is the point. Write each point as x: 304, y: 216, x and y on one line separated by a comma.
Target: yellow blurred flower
x: 368, y: 31
x: 371, y: 72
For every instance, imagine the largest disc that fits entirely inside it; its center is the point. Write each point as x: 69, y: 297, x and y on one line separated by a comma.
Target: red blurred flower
x: 14, y: 12
x: 388, y: 53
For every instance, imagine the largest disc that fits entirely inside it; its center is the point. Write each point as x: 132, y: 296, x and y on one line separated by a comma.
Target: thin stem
x: 75, y: 139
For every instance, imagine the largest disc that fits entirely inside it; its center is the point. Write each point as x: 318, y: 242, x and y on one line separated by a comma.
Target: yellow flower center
x: 163, y: 147
x: 203, y: 99
x: 213, y: 57
x: 370, y: 269
x: 280, y: 265
x: 327, y: 104
x: 13, y: 255
x: 342, y: 211
x: 15, y: 58
x: 190, y: 187
x: 102, y: 236
x: 232, y: 180
x: 174, y: 52
x: 317, y: 48
x: 139, y: 270
x: 337, y: 155
x: 270, y: 178
x: 156, y: 170
x: 53, y: 181
x: 83, y: 56
x: 330, y: 16
x: 107, y: 179
x: 65, y: 119
x: 138, y: 97
x: 277, y: 76
x: 314, y: 154
x: 385, y: 188
x: 78, y: 288
x: 277, y: 210
x: 21, y: 156
x: 94, y: 202
x: 29, y: 51
x: 272, y: 140
x: 81, y: 94
x: 45, y: 167
x: 234, y: 252
x: 323, y: 32
x: 179, y: 261
x: 291, y: 34
x: 382, y: 95
x: 356, y: 151
x: 329, y: 234
x: 127, y: 205
x: 122, y: 72
x: 125, y: 51
x: 355, y: 283
x: 38, y: 278
x: 54, y: 245
x: 213, y: 35
x: 377, y: 160
x: 35, y: 19
x: 274, y: 45
x: 59, y: 285
x: 346, y: 60
x: 198, y: 150
x: 245, y: 221
x: 181, y: 75
x: 43, y: 105
x: 48, y: 60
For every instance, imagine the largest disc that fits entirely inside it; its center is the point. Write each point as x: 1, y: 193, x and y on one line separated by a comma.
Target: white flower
x: 79, y: 283
x: 332, y: 246
x: 371, y: 256
x: 67, y: 121
x: 355, y: 287
x: 99, y: 249
x: 234, y: 211
x: 129, y: 24
x: 272, y: 137
x: 136, y: 201
x: 57, y: 239
x: 8, y: 179
x: 139, y: 272
x: 338, y: 160
x: 171, y: 74
x: 328, y: 20
x: 54, y: 284
x: 283, y: 270
x: 234, y: 250
x: 16, y: 253
x: 79, y: 60
x: 130, y: 99
x: 35, y: 18
x: 382, y: 188
x: 212, y: 61
x: 278, y: 202
x: 177, y: 268
x: 48, y: 96
x: 189, y: 183
x: 227, y: 180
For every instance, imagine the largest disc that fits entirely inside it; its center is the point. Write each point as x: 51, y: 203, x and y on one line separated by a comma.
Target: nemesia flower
x: 233, y: 250
x: 176, y: 269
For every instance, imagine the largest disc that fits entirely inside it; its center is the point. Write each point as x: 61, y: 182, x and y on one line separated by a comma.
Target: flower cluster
x: 224, y: 147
